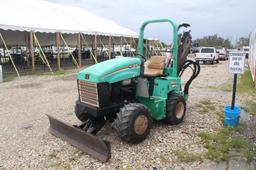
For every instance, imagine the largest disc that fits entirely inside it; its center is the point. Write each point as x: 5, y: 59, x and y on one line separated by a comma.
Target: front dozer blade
x: 88, y: 143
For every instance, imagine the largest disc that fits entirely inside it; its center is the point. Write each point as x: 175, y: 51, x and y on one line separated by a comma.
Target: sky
x: 228, y: 18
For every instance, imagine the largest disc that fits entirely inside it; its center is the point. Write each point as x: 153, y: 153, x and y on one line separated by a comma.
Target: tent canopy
x: 42, y: 16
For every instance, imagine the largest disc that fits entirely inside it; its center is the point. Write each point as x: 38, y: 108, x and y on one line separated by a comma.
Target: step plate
x: 88, y: 143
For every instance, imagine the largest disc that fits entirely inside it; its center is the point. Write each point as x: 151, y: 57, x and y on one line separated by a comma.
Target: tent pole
x: 146, y: 51
x: 149, y: 47
x: 95, y: 46
x: 134, y: 43
x: 103, y: 46
x: 130, y: 46
x: 79, y: 49
x: 126, y: 44
x: 10, y: 57
x: 31, y: 49
x: 109, y: 43
x: 73, y: 58
x: 90, y: 49
x: 58, y: 50
x: 114, y: 43
x: 121, y: 46
x: 44, y: 58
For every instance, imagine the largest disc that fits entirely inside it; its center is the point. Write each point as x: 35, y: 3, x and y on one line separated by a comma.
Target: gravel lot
x: 26, y: 144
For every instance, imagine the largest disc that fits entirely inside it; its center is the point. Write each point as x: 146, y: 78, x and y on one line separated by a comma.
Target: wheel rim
x: 140, y: 124
x: 179, y: 111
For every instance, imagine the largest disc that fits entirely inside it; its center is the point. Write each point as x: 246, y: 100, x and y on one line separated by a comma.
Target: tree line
x: 220, y: 42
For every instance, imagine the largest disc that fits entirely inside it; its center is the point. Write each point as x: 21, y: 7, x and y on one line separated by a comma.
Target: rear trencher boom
x: 130, y: 93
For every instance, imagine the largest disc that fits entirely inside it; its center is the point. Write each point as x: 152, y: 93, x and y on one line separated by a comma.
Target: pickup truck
x: 207, y: 54
x: 222, y: 54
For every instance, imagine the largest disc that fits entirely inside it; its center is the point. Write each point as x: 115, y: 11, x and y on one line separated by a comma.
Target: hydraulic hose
x: 195, y: 67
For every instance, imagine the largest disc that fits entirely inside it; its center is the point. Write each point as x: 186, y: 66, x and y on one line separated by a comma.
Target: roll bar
x: 175, y: 41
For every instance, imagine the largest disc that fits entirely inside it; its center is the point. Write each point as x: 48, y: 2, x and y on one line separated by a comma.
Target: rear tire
x: 217, y: 61
x: 175, y: 109
x: 80, y: 112
x: 133, y: 123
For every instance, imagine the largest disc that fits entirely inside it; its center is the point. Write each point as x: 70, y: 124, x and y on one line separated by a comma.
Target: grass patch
x: 54, y: 165
x: 55, y: 162
x: 221, y: 143
x: 59, y: 73
x: 206, y: 106
x: 76, y: 155
x: 127, y: 168
x: 60, y: 165
x: 52, y: 155
x: 163, y: 158
x: 8, y: 78
x: 224, y: 87
x: 245, y: 83
x: 220, y: 115
x: 55, y: 73
x: 249, y: 155
x: 250, y: 107
x: 188, y: 157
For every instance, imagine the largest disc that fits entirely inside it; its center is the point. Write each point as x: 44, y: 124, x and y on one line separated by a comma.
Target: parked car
x: 246, y: 50
x: 207, y: 54
x: 222, y: 54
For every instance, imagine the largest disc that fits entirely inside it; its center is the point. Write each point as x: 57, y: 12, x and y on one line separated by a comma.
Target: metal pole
x: 113, y: 47
x: 121, y: 46
x: 146, y: 49
x: 109, y: 43
x: 32, y: 50
x: 58, y: 49
x: 234, y: 92
x: 130, y: 51
x: 95, y: 46
x: 79, y: 49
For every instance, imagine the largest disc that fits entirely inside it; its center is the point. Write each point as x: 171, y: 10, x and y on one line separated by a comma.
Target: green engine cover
x: 112, y: 70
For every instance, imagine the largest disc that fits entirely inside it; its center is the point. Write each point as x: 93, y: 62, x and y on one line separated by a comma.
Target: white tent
x: 43, y: 16
x: 36, y: 23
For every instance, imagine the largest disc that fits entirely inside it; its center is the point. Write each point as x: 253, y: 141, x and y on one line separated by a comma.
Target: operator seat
x: 154, y: 66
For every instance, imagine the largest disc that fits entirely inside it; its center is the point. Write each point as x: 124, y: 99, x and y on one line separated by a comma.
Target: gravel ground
x: 26, y: 144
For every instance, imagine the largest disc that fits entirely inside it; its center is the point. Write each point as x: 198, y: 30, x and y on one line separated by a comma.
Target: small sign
x: 236, y: 62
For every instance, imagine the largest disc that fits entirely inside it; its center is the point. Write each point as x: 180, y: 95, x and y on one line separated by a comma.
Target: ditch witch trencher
x: 130, y: 92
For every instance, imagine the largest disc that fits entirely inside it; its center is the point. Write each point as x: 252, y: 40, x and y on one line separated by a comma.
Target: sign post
x: 236, y: 66
x: 234, y: 92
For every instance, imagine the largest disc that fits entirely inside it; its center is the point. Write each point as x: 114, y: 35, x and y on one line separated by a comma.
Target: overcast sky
x: 228, y: 18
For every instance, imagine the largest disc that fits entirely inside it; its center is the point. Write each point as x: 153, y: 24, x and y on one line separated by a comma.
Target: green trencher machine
x: 130, y: 93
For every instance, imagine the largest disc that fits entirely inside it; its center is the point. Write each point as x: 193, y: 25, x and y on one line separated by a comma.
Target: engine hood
x: 112, y: 70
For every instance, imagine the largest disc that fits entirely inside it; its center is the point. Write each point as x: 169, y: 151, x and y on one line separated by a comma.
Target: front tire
x: 133, y: 123
x: 175, y: 109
